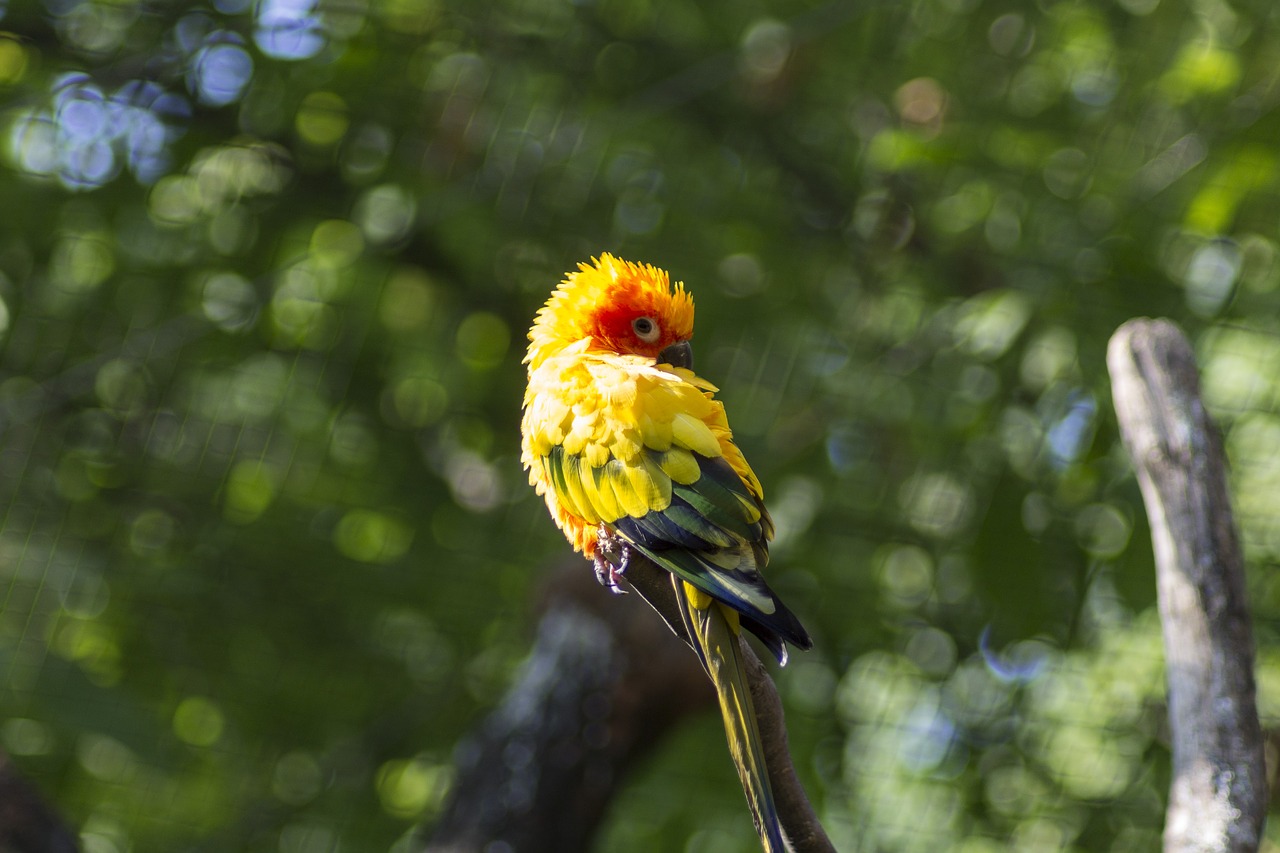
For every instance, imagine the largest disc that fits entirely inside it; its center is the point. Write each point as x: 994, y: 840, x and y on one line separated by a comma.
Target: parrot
x: 633, y: 454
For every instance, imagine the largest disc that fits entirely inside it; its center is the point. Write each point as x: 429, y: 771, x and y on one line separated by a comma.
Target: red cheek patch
x: 614, y: 322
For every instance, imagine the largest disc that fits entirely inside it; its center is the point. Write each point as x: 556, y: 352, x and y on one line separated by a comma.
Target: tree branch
x: 602, y: 685
x: 800, y: 824
x: 1218, y: 797
x: 604, y: 682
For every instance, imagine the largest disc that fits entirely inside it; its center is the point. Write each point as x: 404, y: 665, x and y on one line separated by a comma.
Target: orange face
x: 640, y: 315
x: 620, y: 307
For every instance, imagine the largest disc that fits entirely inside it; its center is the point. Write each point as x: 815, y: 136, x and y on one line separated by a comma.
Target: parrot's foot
x: 612, y: 557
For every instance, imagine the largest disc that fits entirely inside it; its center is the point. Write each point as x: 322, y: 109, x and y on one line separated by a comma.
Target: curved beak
x: 679, y: 354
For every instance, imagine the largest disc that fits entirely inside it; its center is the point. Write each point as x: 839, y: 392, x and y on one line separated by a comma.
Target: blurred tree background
x: 266, y: 550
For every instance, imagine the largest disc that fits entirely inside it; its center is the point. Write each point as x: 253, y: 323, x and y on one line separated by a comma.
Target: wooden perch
x: 604, y: 682
x: 1218, y: 797
x: 804, y: 833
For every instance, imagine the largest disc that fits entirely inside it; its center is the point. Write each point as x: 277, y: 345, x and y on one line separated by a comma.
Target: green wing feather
x: 712, y: 532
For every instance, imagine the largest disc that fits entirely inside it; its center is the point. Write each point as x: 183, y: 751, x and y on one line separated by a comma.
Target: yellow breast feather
x: 623, y: 430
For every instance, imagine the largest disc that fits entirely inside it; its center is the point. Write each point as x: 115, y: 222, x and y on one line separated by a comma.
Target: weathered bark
x: 1218, y: 797
x: 800, y: 824
x: 604, y: 683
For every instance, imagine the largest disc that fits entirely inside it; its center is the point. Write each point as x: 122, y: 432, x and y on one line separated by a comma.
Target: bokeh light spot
x: 107, y: 758
x: 938, y: 504
x: 922, y: 104
x: 1050, y: 356
x: 766, y: 45
x: 415, y: 402
x: 175, y: 200
x: 151, y: 533
x: 410, y: 788
x: 22, y: 736
x: 741, y: 274
x: 13, y: 60
x: 906, y: 574
x: 220, y: 72
x: 251, y: 488
x: 198, y: 721
x: 122, y: 387
x: 1210, y: 278
x: 407, y: 300
x: 483, y: 340
x: 1201, y: 67
x: 1103, y: 530
x: 229, y: 301
x: 352, y: 443
x: 385, y: 213
x: 894, y: 150
x: 963, y: 209
x: 990, y: 322
x: 1021, y: 661
x: 322, y: 119
x: 289, y: 29
x: 412, y: 17
x: 81, y: 261
x: 473, y: 481
x: 336, y: 243
x: 1069, y: 436
x: 301, y: 315
x: 372, y: 537
x: 933, y: 650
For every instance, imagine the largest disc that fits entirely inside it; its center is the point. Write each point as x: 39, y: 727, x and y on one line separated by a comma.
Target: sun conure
x: 633, y: 453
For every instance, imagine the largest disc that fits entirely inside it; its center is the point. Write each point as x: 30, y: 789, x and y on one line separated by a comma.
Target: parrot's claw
x: 608, y: 574
x: 611, y: 560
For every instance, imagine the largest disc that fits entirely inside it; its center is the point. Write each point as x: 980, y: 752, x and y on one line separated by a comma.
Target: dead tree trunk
x: 1218, y: 797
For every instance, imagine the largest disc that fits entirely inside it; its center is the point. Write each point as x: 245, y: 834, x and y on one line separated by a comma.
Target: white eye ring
x: 646, y: 329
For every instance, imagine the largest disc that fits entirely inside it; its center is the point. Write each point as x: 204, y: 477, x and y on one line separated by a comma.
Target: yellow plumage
x: 630, y: 449
x: 600, y: 404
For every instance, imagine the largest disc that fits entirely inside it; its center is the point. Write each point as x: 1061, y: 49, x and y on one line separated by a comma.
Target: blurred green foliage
x: 266, y: 551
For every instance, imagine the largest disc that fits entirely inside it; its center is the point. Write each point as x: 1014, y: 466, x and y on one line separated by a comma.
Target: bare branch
x: 603, y: 684
x: 1218, y: 796
x: 600, y: 664
x: 800, y: 824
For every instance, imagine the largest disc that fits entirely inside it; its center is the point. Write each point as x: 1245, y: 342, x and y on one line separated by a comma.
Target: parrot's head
x: 616, y: 306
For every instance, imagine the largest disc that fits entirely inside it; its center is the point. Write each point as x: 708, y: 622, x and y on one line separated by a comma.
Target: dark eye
x: 646, y: 329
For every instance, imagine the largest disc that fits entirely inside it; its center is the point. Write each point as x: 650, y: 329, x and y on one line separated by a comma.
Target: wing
x: 654, y: 460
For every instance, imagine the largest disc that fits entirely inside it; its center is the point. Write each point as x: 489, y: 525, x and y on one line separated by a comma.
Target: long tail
x: 715, y: 629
